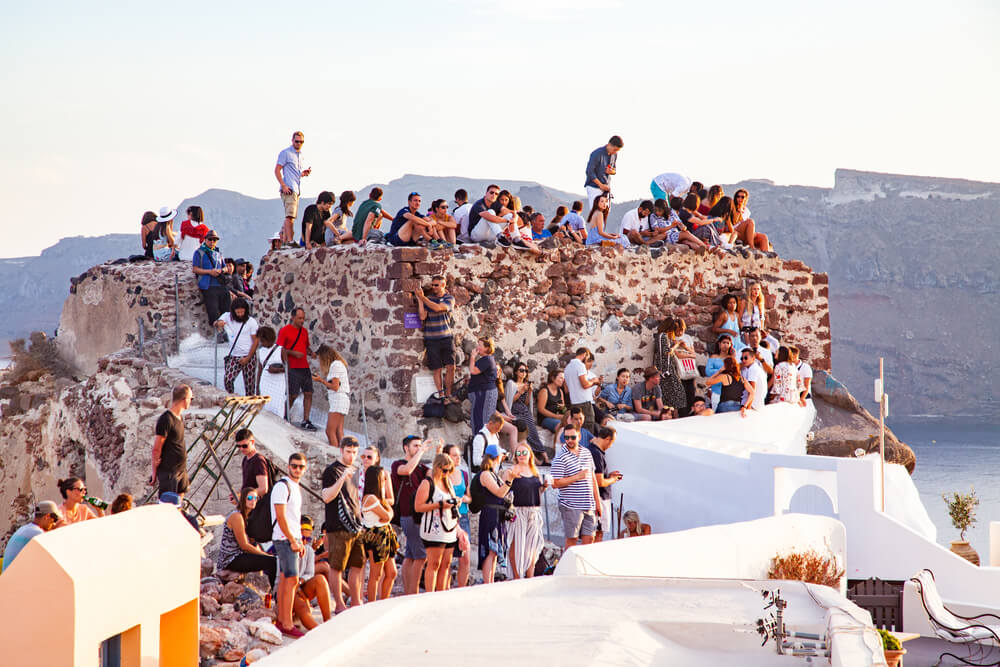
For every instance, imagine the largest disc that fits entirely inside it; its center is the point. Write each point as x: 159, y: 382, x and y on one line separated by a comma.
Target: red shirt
x: 286, y: 338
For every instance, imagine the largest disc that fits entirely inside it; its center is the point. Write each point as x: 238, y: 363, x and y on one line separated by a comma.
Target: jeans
x: 728, y: 406
x: 247, y: 562
x: 550, y: 424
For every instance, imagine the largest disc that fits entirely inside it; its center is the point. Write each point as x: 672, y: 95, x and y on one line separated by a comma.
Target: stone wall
x: 538, y: 310
x: 100, y: 314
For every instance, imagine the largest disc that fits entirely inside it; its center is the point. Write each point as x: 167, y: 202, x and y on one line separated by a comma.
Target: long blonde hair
x: 531, y: 457
x: 327, y: 355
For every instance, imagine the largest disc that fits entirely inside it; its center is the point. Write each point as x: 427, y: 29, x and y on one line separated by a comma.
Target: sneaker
x: 293, y: 631
x: 503, y: 240
x: 308, y: 425
x: 520, y: 245
x: 434, y: 244
x: 656, y: 244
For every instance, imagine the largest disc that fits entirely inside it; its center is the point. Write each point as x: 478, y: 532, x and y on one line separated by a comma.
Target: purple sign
x: 411, y: 320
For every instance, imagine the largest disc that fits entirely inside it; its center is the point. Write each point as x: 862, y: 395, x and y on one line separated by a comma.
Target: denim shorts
x: 728, y: 406
x: 288, y: 560
x: 463, y: 523
x: 414, y: 544
x: 550, y: 423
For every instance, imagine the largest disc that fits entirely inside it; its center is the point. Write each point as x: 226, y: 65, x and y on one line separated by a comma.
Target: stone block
x: 399, y: 270
x: 428, y: 268
x: 409, y: 254
x: 820, y: 279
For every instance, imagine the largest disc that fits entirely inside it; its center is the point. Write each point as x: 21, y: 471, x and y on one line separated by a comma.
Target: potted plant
x: 891, y: 647
x: 962, y: 510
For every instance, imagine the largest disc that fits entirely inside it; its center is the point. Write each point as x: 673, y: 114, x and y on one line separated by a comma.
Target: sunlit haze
x: 111, y: 109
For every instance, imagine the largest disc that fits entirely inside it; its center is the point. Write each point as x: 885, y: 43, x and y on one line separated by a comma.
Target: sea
x: 955, y: 454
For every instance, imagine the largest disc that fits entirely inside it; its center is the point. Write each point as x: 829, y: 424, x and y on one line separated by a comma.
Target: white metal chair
x: 982, y: 639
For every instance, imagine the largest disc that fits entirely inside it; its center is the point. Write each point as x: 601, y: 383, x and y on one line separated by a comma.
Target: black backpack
x: 260, y: 524
x: 434, y: 406
x: 477, y: 494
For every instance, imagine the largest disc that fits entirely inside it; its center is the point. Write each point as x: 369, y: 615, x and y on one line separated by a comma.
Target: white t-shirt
x: 577, y: 394
x: 806, y: 373
x: 481, y: 441
x: 673, y: 184
x: 186, y: 248
x: 758, y: 377
x: 461, y: 215
x: 338, y: 370
x: 767, y: 354
x: 290, y: 496
x: 631, y: 222
x: 240, y: 345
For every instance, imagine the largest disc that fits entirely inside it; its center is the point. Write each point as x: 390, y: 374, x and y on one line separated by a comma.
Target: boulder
x: 207, y: 567
x: 211, y: 639
x: 209, y: 606
x: 231, y: 591
x: 265, y: 630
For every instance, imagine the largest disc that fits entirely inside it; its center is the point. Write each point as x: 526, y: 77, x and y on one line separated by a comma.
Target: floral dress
x: 670, y: 382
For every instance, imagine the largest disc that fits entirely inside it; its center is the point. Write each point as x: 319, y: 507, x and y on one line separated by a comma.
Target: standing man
x: 289, y: 173
x: 439, y: 342
x: 313, y: 229
x: 598, y: 447
x: 753, y: 373
x: 600, y: 167
x: 169, y: 453
x: 407, y: 473
x: 294, y: 342
x: 461, y: 214
x: 368, y: 218
x: 286, y: 515
x: 343, y: 525
x: 47, y: 517
x: 581, y: 387
x: 208, y: 264
x: 254, y: 464
x: 573, y: 475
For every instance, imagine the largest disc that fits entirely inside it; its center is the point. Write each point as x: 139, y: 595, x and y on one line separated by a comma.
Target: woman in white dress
x: 338, y: 391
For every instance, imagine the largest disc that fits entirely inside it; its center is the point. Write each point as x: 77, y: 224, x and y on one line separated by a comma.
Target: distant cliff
x: 910, y: 259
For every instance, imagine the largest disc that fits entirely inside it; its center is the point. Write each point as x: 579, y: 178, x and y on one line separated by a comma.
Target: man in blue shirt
x: 408, y: 226
x: 47, y: 517
x: 289, y: 172
x: 538, y: 231
x: 600, y: 167
x: 208, y: 265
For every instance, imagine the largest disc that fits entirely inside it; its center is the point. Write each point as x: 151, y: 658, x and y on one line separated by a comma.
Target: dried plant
x: 809, y: 566
x: 962, y: 510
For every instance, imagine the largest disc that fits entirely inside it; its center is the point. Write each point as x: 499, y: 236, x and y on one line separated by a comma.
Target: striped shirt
x: 437, y: 325
x: 578, y: 495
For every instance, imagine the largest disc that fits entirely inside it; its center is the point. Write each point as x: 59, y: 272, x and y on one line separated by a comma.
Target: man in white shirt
x: 635, y: 225
x: 286, y: 513
x: 461, y: 214
x: 486, y: 436
x: 750, y: 340
x: 580, y: 387
x: 806, y: 373
x: 753, y: 373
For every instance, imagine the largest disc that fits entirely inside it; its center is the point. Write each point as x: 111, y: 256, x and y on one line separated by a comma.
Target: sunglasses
x: 251, y: 497
x: 243, y: 445
x: 296, y: 466
x: 79, y: 488
x: 55, y: 517
x: 522, y: 452
x: 368, y: 457
x: 447, y: 469
x: 414, y: 194
x: 569, y: 437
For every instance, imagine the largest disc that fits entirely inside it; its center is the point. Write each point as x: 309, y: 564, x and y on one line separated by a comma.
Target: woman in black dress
x: 664, y: 344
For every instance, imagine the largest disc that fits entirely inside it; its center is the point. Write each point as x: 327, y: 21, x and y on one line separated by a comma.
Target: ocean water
x: 954, y: 455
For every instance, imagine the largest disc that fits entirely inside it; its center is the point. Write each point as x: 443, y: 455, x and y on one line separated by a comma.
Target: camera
x: 452, y: 501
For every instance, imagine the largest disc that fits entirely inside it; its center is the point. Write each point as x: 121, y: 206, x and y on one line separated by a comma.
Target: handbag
x: 686, y: 368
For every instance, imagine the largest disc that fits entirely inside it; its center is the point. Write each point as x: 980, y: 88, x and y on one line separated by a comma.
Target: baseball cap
x: 492, y: 450
x: 47, y: 507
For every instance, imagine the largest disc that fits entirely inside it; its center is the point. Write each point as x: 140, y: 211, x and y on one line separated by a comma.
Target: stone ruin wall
x: 356, y: 299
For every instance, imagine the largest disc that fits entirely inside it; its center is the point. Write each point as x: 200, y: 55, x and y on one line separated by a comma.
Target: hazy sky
x: 113, y: 108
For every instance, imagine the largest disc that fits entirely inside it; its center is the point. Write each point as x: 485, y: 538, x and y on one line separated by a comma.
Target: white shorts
x: 605, y: 519
x: 592, y: 194
x: 486, y: 231
x: 339, y: 401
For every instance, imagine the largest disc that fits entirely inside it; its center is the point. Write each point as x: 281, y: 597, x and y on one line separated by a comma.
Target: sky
x: 114, y: 108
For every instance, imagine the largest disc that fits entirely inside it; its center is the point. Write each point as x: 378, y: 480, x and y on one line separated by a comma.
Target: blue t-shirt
x: 487, y: 376
x: 538, y: 236
x: 574, y: 221
x: 18, y: 541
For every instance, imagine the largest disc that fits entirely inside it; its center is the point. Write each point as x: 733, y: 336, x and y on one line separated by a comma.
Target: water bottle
x: 96, y: 502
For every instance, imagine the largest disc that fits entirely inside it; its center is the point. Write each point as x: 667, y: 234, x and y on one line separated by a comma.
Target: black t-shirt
x: 347, y: 498
x: 252, y: 467
x: 478, y: 209
x: 316, y: 218
x: 600, y: 467
x: 173, y: 457
x: 487, y: 376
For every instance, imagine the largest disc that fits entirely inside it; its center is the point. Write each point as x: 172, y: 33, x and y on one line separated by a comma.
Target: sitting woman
x: 146, y: 226
x: 237, y: 553
x: 339, y: 224
x: 752, y: 311
x: 746, y: 228
x: 634, y: 527
x: 616, y: 397
x: 193, y: 232
x: 663, y: 218
x: 725, y: 216
x: 786, y: 385
x: 446, y: 225
x: 597, y: 219
x: 699, y: 225
x: 435, y: 500
x: 311, y: 586
x: 553, y: 401
x: 74, y: 505
x: 716, y: 363
x: 727, y: 322
x: 732, y: 386
x: 519, y: 398
x: 715, y: 194
x: 161, y: 239
x: 379, y: 539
